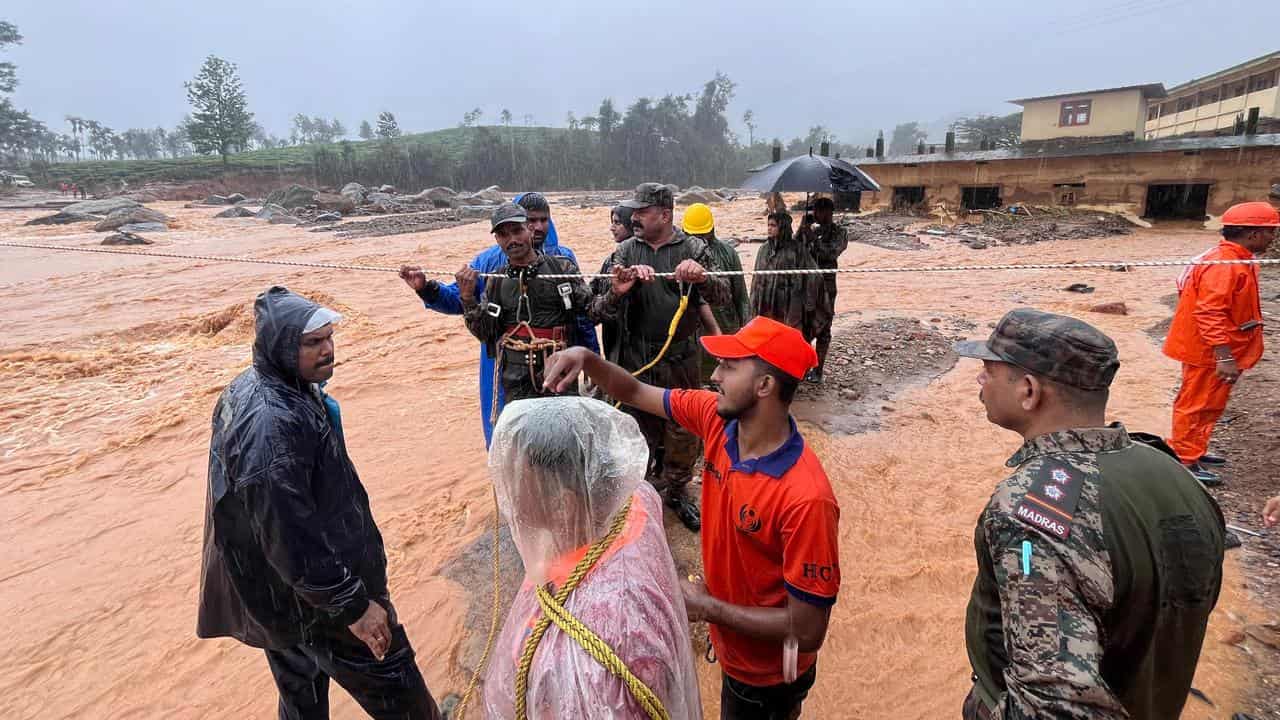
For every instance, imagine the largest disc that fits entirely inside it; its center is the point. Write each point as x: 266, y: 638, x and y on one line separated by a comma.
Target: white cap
x: 321, y: 317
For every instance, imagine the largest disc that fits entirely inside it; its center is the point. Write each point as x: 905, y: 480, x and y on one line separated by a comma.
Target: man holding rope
x: 770, y: 545
x: 645, y: 307
x: 447, y: 299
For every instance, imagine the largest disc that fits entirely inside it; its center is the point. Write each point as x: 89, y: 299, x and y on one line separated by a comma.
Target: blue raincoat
x: 449, y: 302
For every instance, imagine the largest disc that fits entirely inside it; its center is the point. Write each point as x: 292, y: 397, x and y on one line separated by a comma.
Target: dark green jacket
x: 1099, y: 561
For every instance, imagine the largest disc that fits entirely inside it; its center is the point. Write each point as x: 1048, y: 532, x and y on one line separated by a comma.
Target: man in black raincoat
x: 293, y: 561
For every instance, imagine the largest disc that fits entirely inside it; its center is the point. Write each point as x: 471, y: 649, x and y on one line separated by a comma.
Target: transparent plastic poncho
x: 562, y: 468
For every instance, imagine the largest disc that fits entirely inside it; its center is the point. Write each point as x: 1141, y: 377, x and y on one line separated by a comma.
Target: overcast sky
x: 853, y: 67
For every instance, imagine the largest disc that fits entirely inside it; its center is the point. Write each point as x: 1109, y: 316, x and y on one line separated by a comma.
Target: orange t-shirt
x: 1214, y: 303
x: 770, y: 528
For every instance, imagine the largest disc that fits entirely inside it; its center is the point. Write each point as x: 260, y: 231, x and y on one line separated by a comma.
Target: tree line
x: 682, y: 138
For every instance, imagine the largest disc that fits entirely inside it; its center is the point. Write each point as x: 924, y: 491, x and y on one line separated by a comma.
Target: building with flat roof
x: 1215, y: 103
x: 1115, y: 113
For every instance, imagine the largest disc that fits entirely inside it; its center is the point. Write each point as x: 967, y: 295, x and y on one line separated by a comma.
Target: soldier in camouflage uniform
x: 642, y: 306
x: 826, y: 242
x: 1099, y: 559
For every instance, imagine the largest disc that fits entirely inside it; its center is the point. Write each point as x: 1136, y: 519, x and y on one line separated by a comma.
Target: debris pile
x: 884, y: 230
x: 1000, y: 227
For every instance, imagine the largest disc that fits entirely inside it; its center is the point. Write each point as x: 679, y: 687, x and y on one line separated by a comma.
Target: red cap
x: 779, y: 345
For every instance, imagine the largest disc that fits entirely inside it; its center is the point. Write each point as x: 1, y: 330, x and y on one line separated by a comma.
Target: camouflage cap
x: 650, y: 194
x: 1060, y: 348
x: 506, y: 213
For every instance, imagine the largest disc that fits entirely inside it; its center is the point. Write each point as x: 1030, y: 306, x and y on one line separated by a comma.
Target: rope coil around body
x: 589, y: 641
x: 1091, y: 265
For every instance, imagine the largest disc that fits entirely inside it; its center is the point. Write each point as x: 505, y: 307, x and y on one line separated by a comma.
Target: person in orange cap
x: 770, y: 535
x: 1217, y: 332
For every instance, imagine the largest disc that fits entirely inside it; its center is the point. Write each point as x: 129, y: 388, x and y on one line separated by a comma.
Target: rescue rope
x: 671, y: 334
x: 554, y: 611
x: 1091, y: 265
x: 461, y: 711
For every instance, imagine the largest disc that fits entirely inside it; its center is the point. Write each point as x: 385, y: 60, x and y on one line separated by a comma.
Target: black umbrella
x: 810, y: 173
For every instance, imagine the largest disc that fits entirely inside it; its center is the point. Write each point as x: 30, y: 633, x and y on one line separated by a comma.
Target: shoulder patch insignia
x: 1050, y: 502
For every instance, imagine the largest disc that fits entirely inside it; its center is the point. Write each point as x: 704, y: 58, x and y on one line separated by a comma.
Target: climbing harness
x: 536, y: 343
x: 554, y: 611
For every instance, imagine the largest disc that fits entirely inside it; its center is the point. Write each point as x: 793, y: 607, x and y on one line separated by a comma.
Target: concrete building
x: 1186, y: 178
x: 1112, y: 113
x: 1212, y: 104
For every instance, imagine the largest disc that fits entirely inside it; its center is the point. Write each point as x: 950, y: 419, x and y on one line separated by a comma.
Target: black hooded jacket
x: 289, y: 540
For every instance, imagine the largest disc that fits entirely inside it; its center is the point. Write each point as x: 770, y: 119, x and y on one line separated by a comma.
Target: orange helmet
x: 1251, y: 214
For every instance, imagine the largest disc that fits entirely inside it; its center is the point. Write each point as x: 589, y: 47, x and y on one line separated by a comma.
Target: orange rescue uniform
x: 1217, y: 305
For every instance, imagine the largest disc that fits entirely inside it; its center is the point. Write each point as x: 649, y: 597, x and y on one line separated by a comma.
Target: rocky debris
x: 128, y: 216
x: 390, y: 189
x: 284, y: 219
x: 216, y: 200
x: 488, y: 196
x: 1079, y: 288
x: 235, y: 198
x: 142, y: 197
x: 101, y: 207
x: 378, y: 197
x: 439, y: 196
x: 868, y: 361
x: 1003, y: 228
x: 400, y: 224
x: 1114, y: 308
x: 63, y: 217
x: 235, y: 212
x: 328, y: 217
x: 697, y: 194
x: 884, y: 230
x: 355, y: 192
x: 125, y: 238
x: 329, y: 202
x: 294, y: 196
x: 269, y: 211
x: 144, y: 227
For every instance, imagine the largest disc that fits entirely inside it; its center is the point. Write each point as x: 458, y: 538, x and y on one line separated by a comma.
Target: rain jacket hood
x: 289, y: 538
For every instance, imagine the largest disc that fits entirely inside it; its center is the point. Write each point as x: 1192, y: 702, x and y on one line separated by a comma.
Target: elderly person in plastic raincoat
x: 565, y: 469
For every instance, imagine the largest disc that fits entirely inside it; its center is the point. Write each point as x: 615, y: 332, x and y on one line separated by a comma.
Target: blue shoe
x: 1208, y: 478
x: 1210, y: 459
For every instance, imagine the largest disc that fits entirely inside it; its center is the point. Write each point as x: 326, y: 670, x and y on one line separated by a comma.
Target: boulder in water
x: 101, y: 207
x: 335, y: 203
x: 125, y: 238
x: 328, y: 217
x: 355, y: 191
x: 389, y: 189
x: 378, y: 197
x: 234, y: 198
x: 294, y: 196
x: 235, y: 212
x: 439, y: 196
x: 127, y: 216
x: 269, y: 211
x: 64, y: 218
x: 216, y: 200
x: 144, y: 227
x: 283, y: 219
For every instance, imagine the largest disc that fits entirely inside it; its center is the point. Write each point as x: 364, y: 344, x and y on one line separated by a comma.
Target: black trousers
x: 739, y: 701
x: 387, y: 689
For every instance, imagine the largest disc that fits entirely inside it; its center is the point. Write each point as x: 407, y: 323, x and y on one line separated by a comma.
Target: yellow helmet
x: 698, y: 220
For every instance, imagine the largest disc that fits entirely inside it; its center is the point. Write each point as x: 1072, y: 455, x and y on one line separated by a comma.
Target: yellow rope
x: 600, y: 650
x: 461, y: 711
x: 642, y: 694
x: 671, y: 334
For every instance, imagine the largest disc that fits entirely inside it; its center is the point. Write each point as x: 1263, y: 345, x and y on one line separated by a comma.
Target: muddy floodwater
x: 110, y: 367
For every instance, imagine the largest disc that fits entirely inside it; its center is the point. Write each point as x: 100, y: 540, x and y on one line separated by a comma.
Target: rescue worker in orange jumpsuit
x: 1217, y: 332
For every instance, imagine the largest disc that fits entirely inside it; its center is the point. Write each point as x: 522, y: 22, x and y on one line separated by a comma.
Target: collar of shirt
x: 1237, y: 249
x: 775, y: 464
x: 1080, y: 440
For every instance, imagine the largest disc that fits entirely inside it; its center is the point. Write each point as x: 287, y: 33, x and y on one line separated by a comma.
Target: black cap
x: 1060, y: 348
x: 506, y: 213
